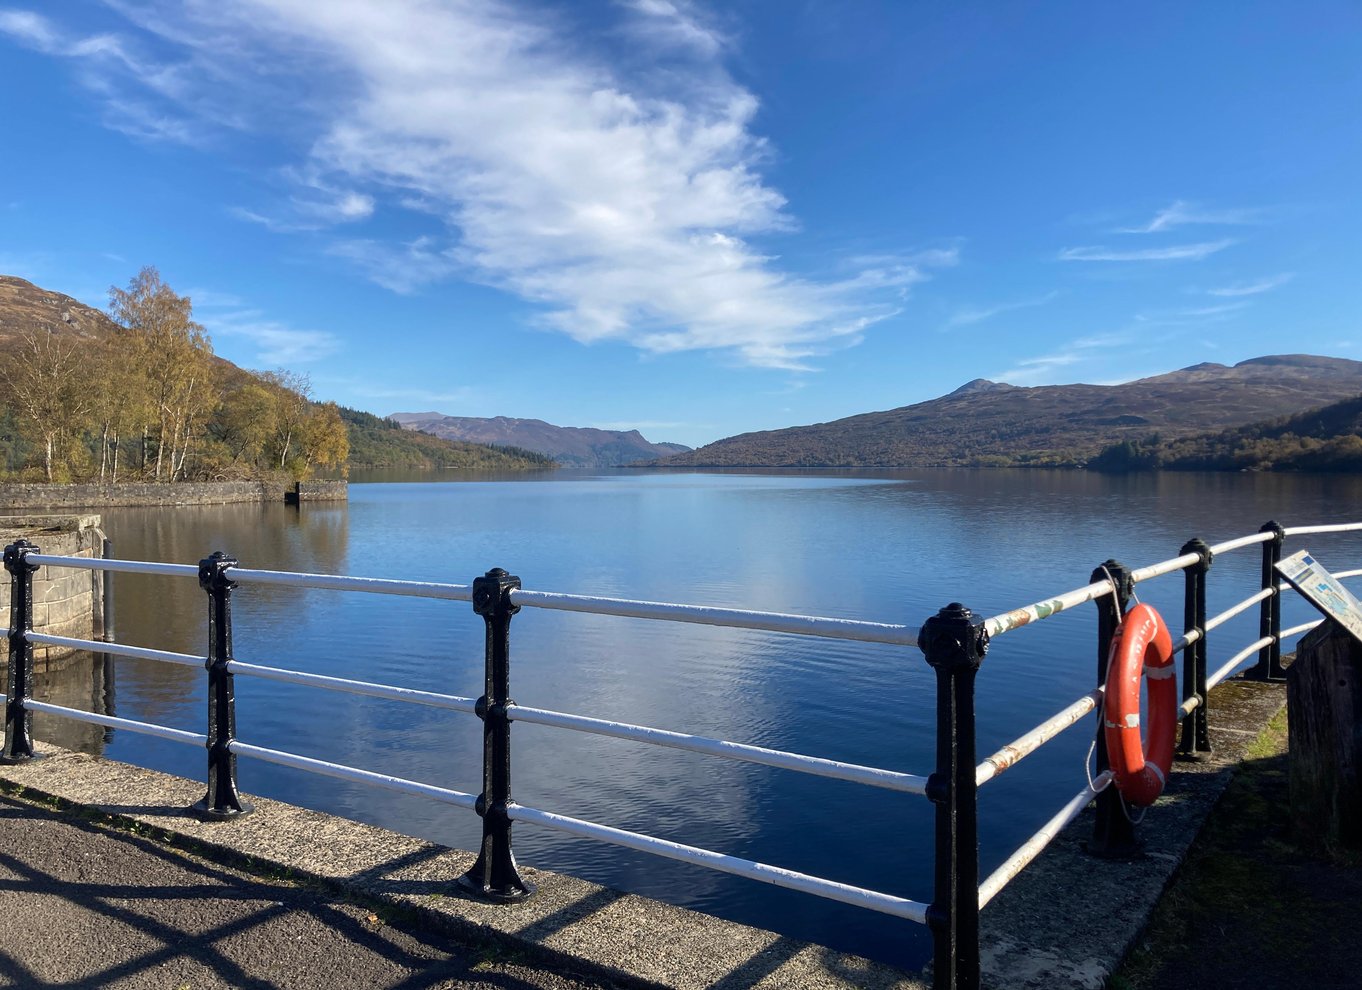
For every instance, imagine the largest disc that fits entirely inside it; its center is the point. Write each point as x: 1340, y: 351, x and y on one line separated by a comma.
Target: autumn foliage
x: 150, y: 402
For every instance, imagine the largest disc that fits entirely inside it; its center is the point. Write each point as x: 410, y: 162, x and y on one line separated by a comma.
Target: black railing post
x: 1269, y: 666
x: 18, y: 719
x: 1113, y: 835
x: 955, y: 642
x: 494, y: 875
x: 222, y: 802
x: 1196, y: 736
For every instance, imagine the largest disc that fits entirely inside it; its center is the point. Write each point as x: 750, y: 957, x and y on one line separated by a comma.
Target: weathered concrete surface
x: 570, y: 924
x: 90, y: 906
x: 1066, y: 922
x: 1069, y: 919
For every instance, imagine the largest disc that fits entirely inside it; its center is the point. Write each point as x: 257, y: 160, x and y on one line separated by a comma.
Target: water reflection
x: 84, y: 681
x: 892, y: 546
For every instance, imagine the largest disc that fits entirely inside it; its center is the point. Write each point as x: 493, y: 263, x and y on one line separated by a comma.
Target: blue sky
x: 696, y: 219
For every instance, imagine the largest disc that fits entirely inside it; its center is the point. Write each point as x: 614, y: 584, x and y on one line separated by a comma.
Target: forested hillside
x: 376, y: 442
x: 1324, y: 439
x: 138, y: 394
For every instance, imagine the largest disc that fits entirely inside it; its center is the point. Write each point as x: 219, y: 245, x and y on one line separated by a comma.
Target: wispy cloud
x: 276, y: 343
x: 620, y: 193
x: 1182, y: 213
x: 1253, y: 288
x: 274, y: 224
x: 403, y: 268
x: 142, y: 97
x: 1178, y: 252
x: 1193, y: 314
x: 412, y: 399
x: 966, y: 317
x: 1041, y: 369
x: 1029, y: 370
x: 664, y: 22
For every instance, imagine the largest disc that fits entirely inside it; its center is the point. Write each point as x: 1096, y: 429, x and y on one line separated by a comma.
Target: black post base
x: 206, y: 812
x: 472, y: 883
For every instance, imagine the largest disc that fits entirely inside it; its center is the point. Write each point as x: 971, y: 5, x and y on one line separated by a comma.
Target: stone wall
x: 180, y: 493
x: 66, y: 601
x: 317, y: 491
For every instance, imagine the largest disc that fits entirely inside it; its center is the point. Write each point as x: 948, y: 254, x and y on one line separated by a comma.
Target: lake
x: 884, y: 546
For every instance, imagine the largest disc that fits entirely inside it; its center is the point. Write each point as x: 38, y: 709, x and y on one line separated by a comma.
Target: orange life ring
x: 1142, y: 644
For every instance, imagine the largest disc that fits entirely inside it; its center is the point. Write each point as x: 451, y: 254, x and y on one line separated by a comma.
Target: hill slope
x: 993, y: 424
x: 575, y: 446
x: 376, y: 442
x: 1324, y: 439
x: 25, y: 307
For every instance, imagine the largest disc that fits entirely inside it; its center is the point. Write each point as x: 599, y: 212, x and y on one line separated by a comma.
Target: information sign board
x: 1324, y: 591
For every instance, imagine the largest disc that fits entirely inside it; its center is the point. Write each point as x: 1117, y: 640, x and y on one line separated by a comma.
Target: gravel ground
x: 87, y: 906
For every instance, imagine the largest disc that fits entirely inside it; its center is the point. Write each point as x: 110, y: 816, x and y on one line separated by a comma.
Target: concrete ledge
x: 1069, y: 919
x: 1066, y: 922
x: 621, y: 935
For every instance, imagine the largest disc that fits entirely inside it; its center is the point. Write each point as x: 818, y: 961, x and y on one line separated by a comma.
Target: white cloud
x: 32, y: 29
x: 1037, y: 369
x: 403, y: 268
x: 966, y: 317
x: 276, y: 344
x: 623, y: 203
x: 412, y: 398
x: 1040, y: 370
x: 1192, y: 314
x: 1253, y: 288
x: 1182, y: 213
x: 677, y: 24
x: 1179, y: 252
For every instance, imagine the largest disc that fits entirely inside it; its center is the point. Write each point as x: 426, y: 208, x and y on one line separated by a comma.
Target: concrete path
x: 86, y: 906
x: 570, y: 926
x: 82, y: 905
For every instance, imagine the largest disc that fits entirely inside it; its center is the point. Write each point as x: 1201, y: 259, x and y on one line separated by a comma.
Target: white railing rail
x: 945, y: 786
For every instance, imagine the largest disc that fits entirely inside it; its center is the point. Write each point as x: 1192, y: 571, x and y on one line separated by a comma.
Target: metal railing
x: 954, y: 642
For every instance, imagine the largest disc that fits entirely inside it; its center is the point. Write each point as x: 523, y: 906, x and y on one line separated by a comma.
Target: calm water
x: 890, y: 547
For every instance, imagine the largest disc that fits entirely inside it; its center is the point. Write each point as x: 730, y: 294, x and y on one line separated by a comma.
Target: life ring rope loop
x: 1142, y: 646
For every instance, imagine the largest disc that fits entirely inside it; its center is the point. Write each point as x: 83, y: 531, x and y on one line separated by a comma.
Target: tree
x: 243, y: 422
x: 325, y: 439
x: 119, y: 397
x: 293, y: 394
x: 177, y: 367
x: 49, y: 386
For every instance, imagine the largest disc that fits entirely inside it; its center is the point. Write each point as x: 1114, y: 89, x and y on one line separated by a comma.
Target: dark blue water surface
x: 890, y: 547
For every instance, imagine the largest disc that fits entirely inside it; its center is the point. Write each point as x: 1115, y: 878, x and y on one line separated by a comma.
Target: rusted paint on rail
x: 1019, y: 617
x: 1022, y: 747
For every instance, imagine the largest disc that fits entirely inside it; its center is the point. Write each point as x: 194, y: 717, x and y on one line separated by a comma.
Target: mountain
x: 25, y: 307
x: 573, y: 446
x: 987, y: 423
x: 376, y: 442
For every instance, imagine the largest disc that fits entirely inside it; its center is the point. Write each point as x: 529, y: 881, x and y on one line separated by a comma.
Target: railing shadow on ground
x: 116, y: 908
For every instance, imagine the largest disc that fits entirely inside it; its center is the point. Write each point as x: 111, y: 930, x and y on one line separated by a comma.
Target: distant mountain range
x: 572, y: 446
x: 986, y: 423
